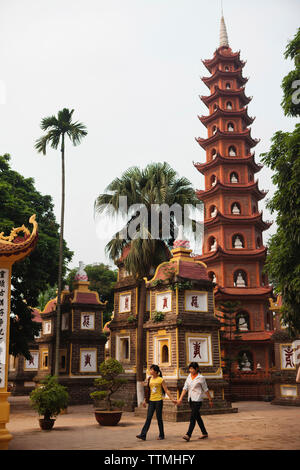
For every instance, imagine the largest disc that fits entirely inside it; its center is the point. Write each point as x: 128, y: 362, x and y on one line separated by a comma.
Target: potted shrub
x: 49, y: 399
x: 107, y: 385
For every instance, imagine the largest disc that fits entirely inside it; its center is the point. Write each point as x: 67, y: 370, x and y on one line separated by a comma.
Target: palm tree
x: 157, y: 184
x: 57, y: 129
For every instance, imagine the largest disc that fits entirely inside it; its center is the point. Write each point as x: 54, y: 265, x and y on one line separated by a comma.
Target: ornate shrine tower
x: 233, y: 247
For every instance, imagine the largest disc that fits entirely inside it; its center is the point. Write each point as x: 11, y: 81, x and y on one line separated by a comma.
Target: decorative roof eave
x: 219, y: 57
x: 230, y: 187
x: 223, y: 74
x: 244, y: 291
x: 240, y: 92
x: 241, y: 253
x: 175, y: 267
x: 219, y: 112
x: 202, y: 167
x: 15, y: 248
x: 227, y: 135
x: 253, y: 219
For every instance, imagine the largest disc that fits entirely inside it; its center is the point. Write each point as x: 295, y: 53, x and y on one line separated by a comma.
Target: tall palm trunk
x: 61, y: 238
x: 140, y: 344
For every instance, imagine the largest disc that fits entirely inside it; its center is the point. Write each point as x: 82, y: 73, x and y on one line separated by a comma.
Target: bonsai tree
x: 108, y: 384
x: 50, y: 398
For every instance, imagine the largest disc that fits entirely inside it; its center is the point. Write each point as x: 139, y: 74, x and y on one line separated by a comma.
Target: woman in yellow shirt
x: 157, y: 388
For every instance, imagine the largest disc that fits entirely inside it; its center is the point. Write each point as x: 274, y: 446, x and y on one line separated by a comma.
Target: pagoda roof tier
x: 17, y: 247
x: 232, y: 188
x: 255, y: 219
x: 240, y: 92
x: 228, y: 135
x: 219, y: 160
x: 242, y: 253
x: 225, y: 113
x: 223, y: 74
x: 261, y: 291
x: 224, y: 54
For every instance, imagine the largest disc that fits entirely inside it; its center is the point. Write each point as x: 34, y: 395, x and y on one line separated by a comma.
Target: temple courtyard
x: 256, y: 426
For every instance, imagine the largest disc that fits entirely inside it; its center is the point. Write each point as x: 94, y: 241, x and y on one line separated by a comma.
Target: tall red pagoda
x: 233, y: 247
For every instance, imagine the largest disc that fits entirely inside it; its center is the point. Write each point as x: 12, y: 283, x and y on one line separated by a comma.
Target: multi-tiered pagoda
x: 233, y: 247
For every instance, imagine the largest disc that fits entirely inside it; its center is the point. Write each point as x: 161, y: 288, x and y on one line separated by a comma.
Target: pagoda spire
x: 223, y: 32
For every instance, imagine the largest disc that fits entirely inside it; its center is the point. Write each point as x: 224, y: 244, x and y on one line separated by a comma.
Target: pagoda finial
x: 223, y: 32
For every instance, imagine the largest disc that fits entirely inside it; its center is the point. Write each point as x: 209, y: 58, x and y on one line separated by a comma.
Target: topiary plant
x: 109, y: 383
x: 49, y: 398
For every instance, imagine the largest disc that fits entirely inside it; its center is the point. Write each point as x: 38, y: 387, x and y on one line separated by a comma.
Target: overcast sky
x: 131, y: 70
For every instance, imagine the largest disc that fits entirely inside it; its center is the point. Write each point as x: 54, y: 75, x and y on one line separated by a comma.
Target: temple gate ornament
x: 13, y: 248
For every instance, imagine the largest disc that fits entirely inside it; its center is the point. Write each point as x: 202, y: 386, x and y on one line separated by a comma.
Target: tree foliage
x: 109, y: 383
x: 102, y: 279
x: 283, y: 260
x: 18, y: 201
x: 291, y: 82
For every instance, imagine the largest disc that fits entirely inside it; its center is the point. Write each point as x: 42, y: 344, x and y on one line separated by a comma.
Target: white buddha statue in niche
x: 240, y: 281
x: 245, y: 363
x: 232, y: 152
x: 214, y: 245
x: 235, y: 209
x: 213, y: 212
x: 243, y: 326
x: 233, y: 178
x: 238, y: 243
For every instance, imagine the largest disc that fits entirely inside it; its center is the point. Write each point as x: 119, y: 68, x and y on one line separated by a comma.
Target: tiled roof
x: 86, y: 298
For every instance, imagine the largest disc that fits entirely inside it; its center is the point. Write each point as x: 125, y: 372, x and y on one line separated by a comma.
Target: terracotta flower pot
x: 108, y: 418
x: 46, y: 424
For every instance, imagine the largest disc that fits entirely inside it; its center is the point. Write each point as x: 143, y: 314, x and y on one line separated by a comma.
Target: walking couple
x: 196, y: 387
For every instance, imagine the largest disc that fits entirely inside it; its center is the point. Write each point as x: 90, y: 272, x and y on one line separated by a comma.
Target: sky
x: 131, y: 70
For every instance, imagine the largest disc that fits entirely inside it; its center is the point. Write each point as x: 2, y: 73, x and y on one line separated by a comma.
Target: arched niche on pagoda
x: 258, y: 242
x: 254, y: 208
x: 229, y: 105
x: 212, y: 244
x: 238, y: 241
x: 212, y: 276
x: 245, y: 361
x: 214, y: 130
x: 213, y: 180
x: 240, y: 278
x: 235, y: 208
x: 250, y: 177
x: 213, y: 211
x: 227, y: 85
x: 232, y: 152
x: 234, y: 177
x: 242, y: 321
x: 230, y: 127
x: 213, y: 153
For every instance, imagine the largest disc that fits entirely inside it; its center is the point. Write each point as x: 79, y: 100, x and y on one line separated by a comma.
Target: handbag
x: 147, y: 391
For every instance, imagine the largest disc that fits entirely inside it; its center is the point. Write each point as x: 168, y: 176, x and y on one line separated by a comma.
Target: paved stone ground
x: 257, y: 426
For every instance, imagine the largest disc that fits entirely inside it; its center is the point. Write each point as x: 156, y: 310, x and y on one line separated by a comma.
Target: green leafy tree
x: 45, y: 296
x: 144, y: 189
x: 49, y: 398
x: 109, y: 383
x: 102, y: 279
x: 291, y: 82
x: 57, y: 130
x: 18, y: 201
x: 283, y: 260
